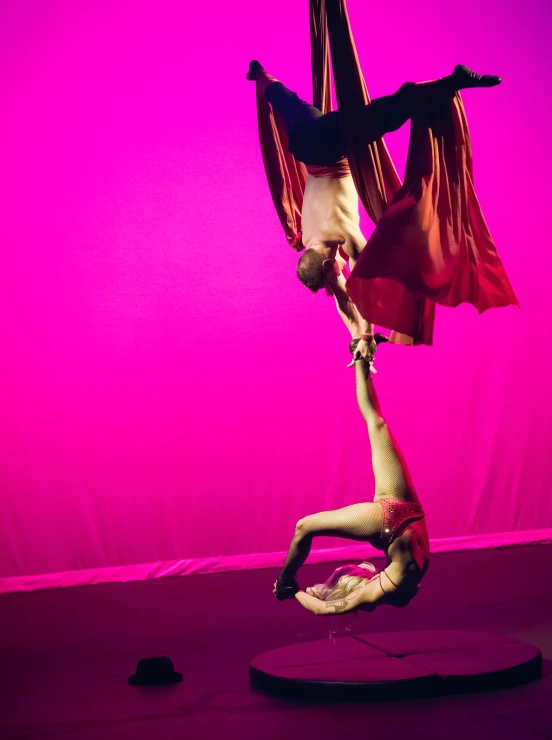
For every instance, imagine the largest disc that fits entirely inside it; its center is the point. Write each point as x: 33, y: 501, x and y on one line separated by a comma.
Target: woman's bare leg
x: 359, y: 521
x: 356, y: 522
x: 390, y: 471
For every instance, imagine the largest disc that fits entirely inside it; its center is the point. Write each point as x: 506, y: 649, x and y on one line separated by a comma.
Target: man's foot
x: 286, y: 588
x: 464, y: 78
x: 254, y: 68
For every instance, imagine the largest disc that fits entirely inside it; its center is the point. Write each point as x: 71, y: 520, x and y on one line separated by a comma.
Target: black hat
x: 154, y: 672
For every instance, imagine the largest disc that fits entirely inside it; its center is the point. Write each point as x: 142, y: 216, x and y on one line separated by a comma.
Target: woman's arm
x: 327, y: 608
x: 368, y: 597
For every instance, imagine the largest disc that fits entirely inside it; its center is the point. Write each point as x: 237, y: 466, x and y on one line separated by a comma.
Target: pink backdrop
x: 168, y: 389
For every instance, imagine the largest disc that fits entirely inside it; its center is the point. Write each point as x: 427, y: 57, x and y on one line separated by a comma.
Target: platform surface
x: 395, y: 665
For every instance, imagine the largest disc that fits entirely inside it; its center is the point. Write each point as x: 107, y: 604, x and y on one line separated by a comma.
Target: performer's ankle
x: 286, y: 577
x: 264, y: 80
x: 286, y: 586
x: 257, y: 73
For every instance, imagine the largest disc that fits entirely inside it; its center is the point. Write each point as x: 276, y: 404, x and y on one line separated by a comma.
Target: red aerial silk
x: 431, y: 243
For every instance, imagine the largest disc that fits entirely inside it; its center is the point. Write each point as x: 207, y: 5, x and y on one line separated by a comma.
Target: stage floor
x: 65, y: 656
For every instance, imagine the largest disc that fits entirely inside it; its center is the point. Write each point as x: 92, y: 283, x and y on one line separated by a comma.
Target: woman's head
x: 344, y: 581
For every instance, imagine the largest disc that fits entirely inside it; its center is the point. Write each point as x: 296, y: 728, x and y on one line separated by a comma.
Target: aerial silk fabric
x: 431, y: 243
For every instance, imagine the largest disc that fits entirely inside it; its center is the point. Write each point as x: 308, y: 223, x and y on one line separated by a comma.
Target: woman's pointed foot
x: 378, y: 339
x: 465, y: 78
x: 285, y: 588
x: 254, y: 68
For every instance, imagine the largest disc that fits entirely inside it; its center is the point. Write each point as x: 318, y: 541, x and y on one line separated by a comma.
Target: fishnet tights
x: 358, y: 521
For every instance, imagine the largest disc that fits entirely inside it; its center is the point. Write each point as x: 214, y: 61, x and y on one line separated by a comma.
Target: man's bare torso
x: 330, y: 214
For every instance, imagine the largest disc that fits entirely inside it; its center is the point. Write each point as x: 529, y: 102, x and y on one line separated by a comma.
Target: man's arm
x: 345, y: 307
x: 353, y: 246
x: 356, y: 325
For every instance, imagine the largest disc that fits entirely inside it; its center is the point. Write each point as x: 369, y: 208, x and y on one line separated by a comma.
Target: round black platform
x: 396, y: 665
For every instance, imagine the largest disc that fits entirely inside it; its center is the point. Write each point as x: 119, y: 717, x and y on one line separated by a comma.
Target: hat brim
x: 136, y: 680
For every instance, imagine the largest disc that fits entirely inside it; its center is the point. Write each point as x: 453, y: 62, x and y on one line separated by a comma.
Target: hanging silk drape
x: 431, y: 244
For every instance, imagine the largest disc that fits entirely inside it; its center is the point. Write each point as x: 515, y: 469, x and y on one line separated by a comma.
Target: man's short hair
x: 311, y: 270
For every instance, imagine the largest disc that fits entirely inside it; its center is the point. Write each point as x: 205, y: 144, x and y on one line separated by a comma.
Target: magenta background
x: 168, y: 389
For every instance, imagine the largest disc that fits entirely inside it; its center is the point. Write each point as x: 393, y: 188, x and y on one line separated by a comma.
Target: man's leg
x: 314, y: 139
x: 390, y: 112
x: 285, y: 102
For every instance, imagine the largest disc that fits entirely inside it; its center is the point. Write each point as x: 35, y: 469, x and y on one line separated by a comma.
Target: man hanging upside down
x: 331, y: 231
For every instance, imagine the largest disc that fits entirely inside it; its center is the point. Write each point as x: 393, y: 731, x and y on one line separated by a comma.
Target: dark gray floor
x: 66, y: 656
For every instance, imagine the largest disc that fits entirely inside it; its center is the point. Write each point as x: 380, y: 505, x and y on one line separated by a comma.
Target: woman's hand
x: 328, y: 608
x: 315, y: 591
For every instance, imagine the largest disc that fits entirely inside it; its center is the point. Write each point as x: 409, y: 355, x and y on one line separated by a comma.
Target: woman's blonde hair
x: 344, y: 581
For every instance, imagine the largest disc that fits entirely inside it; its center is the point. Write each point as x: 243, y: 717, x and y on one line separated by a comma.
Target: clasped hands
x: 365, y: 350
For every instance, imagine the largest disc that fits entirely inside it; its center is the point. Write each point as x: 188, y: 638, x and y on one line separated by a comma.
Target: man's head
x: 316, y: 270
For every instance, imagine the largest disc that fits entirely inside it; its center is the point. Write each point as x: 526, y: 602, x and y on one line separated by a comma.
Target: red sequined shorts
x: 397, y: 515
